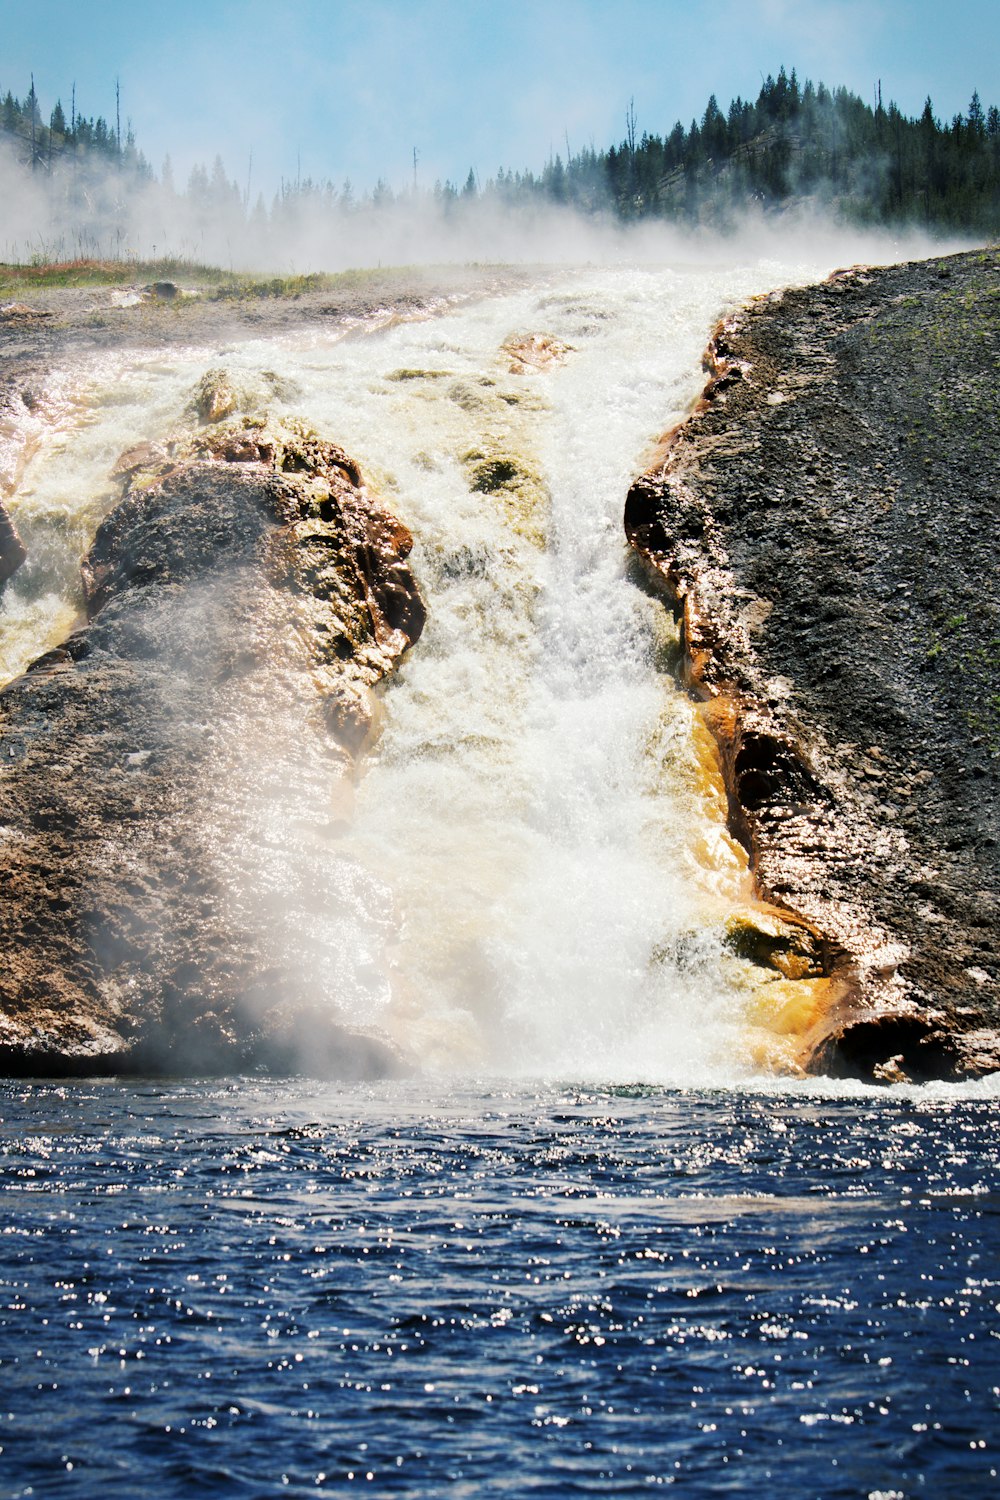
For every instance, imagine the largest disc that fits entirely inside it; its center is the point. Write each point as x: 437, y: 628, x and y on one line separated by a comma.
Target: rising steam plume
x: 95, y: 209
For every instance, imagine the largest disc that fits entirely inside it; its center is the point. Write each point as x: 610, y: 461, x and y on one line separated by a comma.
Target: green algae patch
x: 406, y: 374
x: 519, y: 491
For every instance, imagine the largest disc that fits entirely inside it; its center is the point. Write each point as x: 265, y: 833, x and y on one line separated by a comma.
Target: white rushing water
x: 537, y: 866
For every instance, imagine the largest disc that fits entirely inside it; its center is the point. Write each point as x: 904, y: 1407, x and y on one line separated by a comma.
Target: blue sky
x: 347, y: 88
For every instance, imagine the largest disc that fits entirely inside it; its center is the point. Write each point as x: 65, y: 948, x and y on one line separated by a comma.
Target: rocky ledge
x: 12, y: 549
x: 826, y: 526
x: 162, y: 891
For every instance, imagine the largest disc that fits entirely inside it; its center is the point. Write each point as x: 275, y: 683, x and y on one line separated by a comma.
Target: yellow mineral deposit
x: 774, y: 953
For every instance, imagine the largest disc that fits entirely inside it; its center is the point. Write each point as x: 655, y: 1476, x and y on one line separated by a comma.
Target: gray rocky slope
x: 827, y: 524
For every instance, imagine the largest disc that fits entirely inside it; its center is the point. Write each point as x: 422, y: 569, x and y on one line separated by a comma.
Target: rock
x: 516, y: 488
x: 163, y: 291
x: 215, y: 397
x: 528, y: 352
x: 20, y: 312
x: 775, y: 939
x: 170, y: 901
x: 12, y: 549
x: 825, y: 527
x: 142, y: 456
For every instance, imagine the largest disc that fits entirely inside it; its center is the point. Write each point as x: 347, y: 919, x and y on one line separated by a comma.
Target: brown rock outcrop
x: 528, y: 352
x: 169, y: 776
x: 21, y: 312
x: 825, y: 526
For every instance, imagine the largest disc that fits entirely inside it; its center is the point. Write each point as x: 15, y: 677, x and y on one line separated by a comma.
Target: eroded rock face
x: 170, y: 776
x: 825, y: 525
x: 12, y: 549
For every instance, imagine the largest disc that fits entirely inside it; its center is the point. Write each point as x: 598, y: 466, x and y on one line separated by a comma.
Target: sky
x: 349, y: 89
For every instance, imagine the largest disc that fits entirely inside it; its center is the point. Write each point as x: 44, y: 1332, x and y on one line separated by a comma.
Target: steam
x: 89, y: 210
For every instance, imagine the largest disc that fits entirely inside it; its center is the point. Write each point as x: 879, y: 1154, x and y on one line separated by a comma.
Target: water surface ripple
x: 264, y: 1287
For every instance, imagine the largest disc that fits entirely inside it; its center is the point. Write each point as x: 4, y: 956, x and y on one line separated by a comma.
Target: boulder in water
x: 169, y: 783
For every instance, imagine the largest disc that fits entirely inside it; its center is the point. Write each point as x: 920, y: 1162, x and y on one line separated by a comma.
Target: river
x: 261, y: 1288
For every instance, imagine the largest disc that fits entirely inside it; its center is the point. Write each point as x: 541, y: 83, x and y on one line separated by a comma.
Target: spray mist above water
x: 84, y: 210
x: 532, y: 873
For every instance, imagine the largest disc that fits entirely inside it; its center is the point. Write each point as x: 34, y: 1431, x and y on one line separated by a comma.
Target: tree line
x: 865, y: 163
x: 39, y: 145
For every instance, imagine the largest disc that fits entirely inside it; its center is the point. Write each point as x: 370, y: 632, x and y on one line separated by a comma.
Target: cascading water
x: 535, y: 869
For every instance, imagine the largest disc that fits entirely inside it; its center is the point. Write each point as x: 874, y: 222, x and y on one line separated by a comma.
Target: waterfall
x: 532, y: 871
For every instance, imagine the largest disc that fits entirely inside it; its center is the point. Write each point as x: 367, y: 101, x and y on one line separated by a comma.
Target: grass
x: 21, y: 279
x: 74, y: 273
x: 247, y: 288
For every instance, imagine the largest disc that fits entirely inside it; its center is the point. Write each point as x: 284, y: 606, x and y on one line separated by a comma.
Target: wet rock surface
x: 166, y: 813
x: 827, y: 525
x: 12, y: 549
x: 527, y: 353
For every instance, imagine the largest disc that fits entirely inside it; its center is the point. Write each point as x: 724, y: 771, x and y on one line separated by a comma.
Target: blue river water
x: 266, y: 1287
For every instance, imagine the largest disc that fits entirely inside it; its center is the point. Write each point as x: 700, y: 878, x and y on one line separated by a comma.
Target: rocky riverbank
x: 826, y: 524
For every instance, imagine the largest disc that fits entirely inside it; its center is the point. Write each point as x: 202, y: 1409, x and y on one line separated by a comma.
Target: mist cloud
x: 94, y: 210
